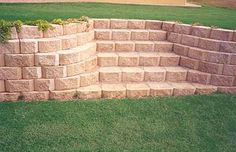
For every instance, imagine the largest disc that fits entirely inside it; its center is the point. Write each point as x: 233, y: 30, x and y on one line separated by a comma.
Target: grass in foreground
x: 195, y: 123
x: 206, y: 15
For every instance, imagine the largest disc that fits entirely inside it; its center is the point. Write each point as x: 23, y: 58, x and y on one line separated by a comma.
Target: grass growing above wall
x: 184, y: 124
x: 206, y: 15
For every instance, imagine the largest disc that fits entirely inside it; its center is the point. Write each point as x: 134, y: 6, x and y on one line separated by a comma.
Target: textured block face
x: 83, y: 38
x: 32, y: 72
x: 157, y: 35
x: 107, y: 59
x: 201, y: 31
x: 35, y: 96
x: 147, y: 59
x: 105, y: 46
x: 212, y: 68
x: 63, y: 95
x: 180, y: 49
x: 183, y: 89
x: 209, y: 44
x: 124, y: 46
x: 29, y: 46
x: 2, y: 86
x: 139, y: 35
x: 111, y: 74
x: 67, y: 83
x: 174, y: 37
x: 220, y: 80
x: 230, y: 90
x: 204, y: 89
x: 160, y: 89
x: 131, y: 59
x: 182, y: 28
x: 54, y: 72
x: 91, y: 64
x: 163, y: 47
x: 44, y: 84
x: 155, y: 74
x: 69, y: 29
x: 137, y: 90
x: 189, y: 63
x: 221, y: 34
x: 19, y: 85
x: 2, y: 60
x: 121, y: 35
x: 14, y: 34
x: 49, y: 45
x: 10, y: 73
x: 46, y: 59
x: 175, y: 74
x: 153, y: 25
x: 30, y: 32
x: 198, y: 77
x: 9, y: 97
x: 144, y: 46
x: 89, y: 79
x: 132, y: 75
x: 69, y: 57
x: 233, y: 59
x: 12, y: 46
x: 198, y: 54
x: 19, y: 60
x: 169, y: 60
x: 75, y: 69
x: 168, y: 26
x: 69, y: 42
x: 136, y: 24
x: 103, y: 34
x: 190, y: 40
x: 229, y: 47
x: 90, y: 92
x: 111, y: 91
x: 218, y: 57
x: 234, y: 37
x: 119, y: 24
x: 101, y: 23
x: 57, y: 30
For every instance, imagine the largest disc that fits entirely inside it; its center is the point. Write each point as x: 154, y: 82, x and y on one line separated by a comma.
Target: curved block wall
x: 54, y: 64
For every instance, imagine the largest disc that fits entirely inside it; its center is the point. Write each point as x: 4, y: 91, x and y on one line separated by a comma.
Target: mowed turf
x: 173, y: 124
x: 206, y: 15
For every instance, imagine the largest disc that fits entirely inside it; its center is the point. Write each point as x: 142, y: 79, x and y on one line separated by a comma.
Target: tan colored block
x: 84, y: 27
x: 153, y: 25
x: 183, y: 28
x: 221, y: 80
x: 132, y: 74
x: 189, y: 63
x: 155, y: 35
x: 11, y: 46
x: 68, y: 42
x: 230, y: 90
x: 10, y: 73
x: 149, y: 59
x: 67, y: 83
x: 198, y: 77
x: 128, y: 59
x: 54, y: 72
x: 163, y: 47
x: 63, y: 95
x: 2, y: 60
x: 168, y: 26
x: 137, y: 90
x: 28, y: 46
x: 46, y: 59
x: 169, y: 59
x: 89, y: 79
x: 49, y: 45
x: 209, y: 44
x: 19, y: 60
x: 105, y: 46
x: 175, y: 74
x: 44, y: 85
x: 111, y: 91
x: 139, y: 35
x: 156, y: 74
x: 174, y: 37
x: 90, y: 36
x: 103, y: 34
x: 70, y: 28
x: 204, y: 89
x: 2, y: 86
x: 198, y: 54
x: 181, y: 49
x: 83, y: 38
x: 69, y: 57
x: 75, y: 69
x: 221, y: 34
x: 32, y: 72
x: 183, y: 89
x: 229, y: 47
x: 160, y: 89
x: 119, y: 24
x: 121, y: 35
x: 210, y: 67
x: 90, y: 92
x: 107, y: 59
x: 19, y: 85
x: 190, y: 40
x: 91, y: 64
x: 101, y: 23
x: 111, y: 74
x: 14, y: 34
x: 124, y: 46
x: 86, y: 51
x: 56, y: 30
x: 201, y: 31
x: 136, y: 24
x: 9, y: 97
x: 35, y: 96
x: 30, y: 32
x: 218, y: 57
x: 144, y: 46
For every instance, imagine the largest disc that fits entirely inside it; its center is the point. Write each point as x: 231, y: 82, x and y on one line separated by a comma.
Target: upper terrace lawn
x: 207, y: 15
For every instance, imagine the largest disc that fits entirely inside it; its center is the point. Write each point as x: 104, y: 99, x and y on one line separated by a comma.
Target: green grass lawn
x: 207, y: 15
x: 173, y: 124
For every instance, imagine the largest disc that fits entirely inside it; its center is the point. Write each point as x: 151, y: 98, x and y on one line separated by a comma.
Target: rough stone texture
x: 198, y: 54
x: 111, y: 91
x: 49, y: 45
x: 209, y: 44
x: 68, y: 42
x: 19, y: 85
x: 139, y: 35
x: 2, y: 60
x: 221, y: 34
x: 2, y: 86
x: 46, y: 59
x: 174, y: 37
x: 104, y: 34
x: 32, y: 72
x: 30, y: 32
x: 163, y: 47
x: 67, y: 83
x: 233, y: 59
x: 136, y: 24
x: 105, y: 46
x: 121, y: 35
x: 181, y: 49
x: 131, y: 59
x: 69, y: 57
x: 107, y: 59
x: 183, y: 89
x: 56, y: 30
x: 111, y: 74
x: 169, y: 59
x: 229, y: 47
x: 35, y: 96
x: 132, y: 75
x: 204, y: 89
x: 63, y: 95
x: 153, y: 25
x: 190, y: 40
x: 182, y: 28
x: 89, y: 79
x: 10, y: 73
x: 90, y: 92
x: 149, y: 59
x: 54, y: 72
x: 189, y: 63
x: 137, y: 90
x: 175, y: 74
x: 210, y: 67
x: 118, y: 24
x: 44, y: 85
x: 19, y: 60
x: 14, y: 34
x: 220, y: 80
x: 157, y: 35
x: 124, y: 46
x: 75, y: 69
x: 144, y: 46
x: 160, y: 89
x: 101, y: 23
x: 218, y: 57
x: 198, y: 77
x: 12, y: 46
x: 28, y: 46
x: 201, y: 31
x: 69, y: 29
x: 9, y: 97
x: 155, y: 74
x: 231, y: 90
x: 168, y: 26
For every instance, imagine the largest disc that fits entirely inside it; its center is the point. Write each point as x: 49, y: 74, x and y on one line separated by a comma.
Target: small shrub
x: 43, y: 25
x: 5, y: 30
x: 18, y: 24
x: 58, y: 21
